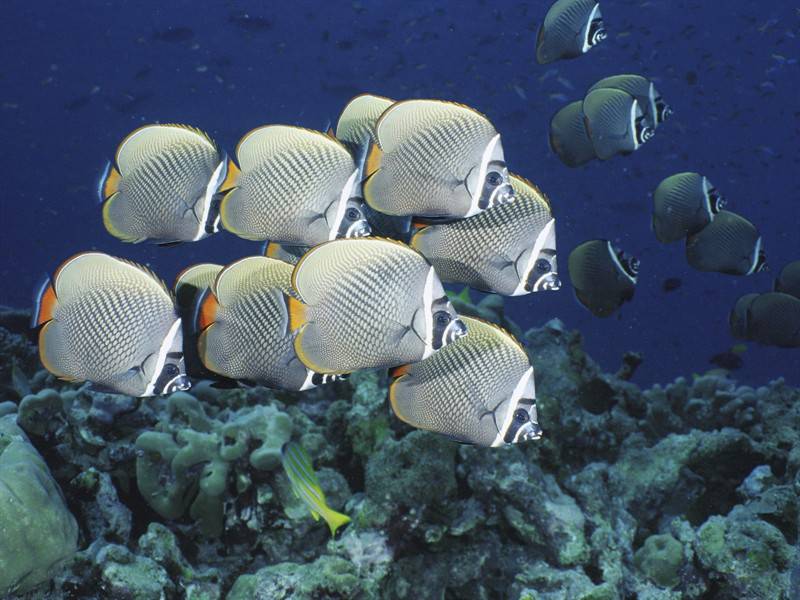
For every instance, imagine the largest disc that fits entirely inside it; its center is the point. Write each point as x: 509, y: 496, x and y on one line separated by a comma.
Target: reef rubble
x: 684, y: 490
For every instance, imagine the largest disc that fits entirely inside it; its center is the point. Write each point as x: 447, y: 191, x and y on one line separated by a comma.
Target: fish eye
x: 543, y: 265
x: 353, y: 214
x: 442, y: 318
x: 170, y: 370
x: 493, y: 178
x: 633, y: 263
x: 521, y: 415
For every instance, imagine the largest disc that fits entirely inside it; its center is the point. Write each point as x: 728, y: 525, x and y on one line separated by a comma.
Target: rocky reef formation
x: 688, y: 490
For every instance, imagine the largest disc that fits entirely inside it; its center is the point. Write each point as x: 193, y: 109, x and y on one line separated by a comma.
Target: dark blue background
x: 77, y: 76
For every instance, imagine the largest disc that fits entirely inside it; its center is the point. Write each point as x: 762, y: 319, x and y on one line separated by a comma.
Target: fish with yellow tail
x: 305, y: 485
x: 163, y: 186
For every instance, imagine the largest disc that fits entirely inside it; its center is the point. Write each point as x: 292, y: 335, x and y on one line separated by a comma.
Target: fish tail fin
x: 298, y: 313
x: 44, y: 302
x: 271, y: 249
x: 335, y: 520
x: 372, y: 161
x: 108, y: 185
x: 206, y: 311
x: 232, y: 175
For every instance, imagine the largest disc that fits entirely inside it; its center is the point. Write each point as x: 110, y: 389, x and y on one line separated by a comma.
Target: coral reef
x: 685, y: 490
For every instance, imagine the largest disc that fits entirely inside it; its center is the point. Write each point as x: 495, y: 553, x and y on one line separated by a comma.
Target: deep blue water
x: 77, y: 76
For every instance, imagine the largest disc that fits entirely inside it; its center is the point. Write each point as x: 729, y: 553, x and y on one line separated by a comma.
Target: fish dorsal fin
x: 201, y: 275
x: 297, y: 313
x: 263, y: 143
x: 402, y: 120
x: 529, y: 190
x: 372, y: 161
x: 109, y: 182
x: 251, y: 273
x: 364, y: 107
x: 146, y: 141
x: 232, y: 175
x: 493, y: 329
x: 310, y: 287
x: 84, y: 270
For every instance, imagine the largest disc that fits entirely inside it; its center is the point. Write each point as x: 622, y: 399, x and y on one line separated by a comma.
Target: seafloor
x: 687, y: 490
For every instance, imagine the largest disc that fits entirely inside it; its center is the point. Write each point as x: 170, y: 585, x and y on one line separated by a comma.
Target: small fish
x: 190, y: 286
x: 727, y: 360
x: 244, y: 325
x: 478, y: 390
x: 568, y: 137
x: 112, y: 323
x: 615, y: 123
x: 656, y: 110
x: 788, y: 280
x: 250, y: 23
x: 368, y: 303
x: 671, y: 284
x: 305, y: 485
x: 288, y: 254
x: 683, y: 204
x: 295, y: 186
x: 435, y: 159
x: 604, y: 277
x: 739, y: 317
x: 509, y: 250
x: 730, y: 244
x: 163, y: 186
x: 570, y: 28
x: 356, y: 125
x: 773, y: 319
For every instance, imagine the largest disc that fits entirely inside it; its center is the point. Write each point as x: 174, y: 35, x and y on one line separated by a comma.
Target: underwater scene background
x: 652, y: 481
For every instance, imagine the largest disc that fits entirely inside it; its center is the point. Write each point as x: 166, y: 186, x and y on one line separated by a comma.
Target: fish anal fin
x: 51, y: 349
x: 368, y: 190
x: 108, y: 219
x: 373, y: 160
x: 231, y: 177
x: 272, y: 249
x: 110, y: 185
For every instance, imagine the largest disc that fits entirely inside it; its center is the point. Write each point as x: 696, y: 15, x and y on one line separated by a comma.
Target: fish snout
x: 551, y: 282
x: 455, y: 330
x: 528, y: 432
x: 181, y: 383
x: 359, y: 229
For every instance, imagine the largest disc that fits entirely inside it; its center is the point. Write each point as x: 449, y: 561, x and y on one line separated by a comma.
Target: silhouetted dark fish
x: 77, y: 103
x: 251, y: 23
x: 125, y: 102
x: 142, y: 73
x: 671, y: 284
x: 173, y: 35
x: 727, y: 360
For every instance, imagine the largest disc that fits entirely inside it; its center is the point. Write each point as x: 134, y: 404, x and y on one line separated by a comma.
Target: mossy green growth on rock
x: 37, y: 532
x: 660, y: 559
x: 189, y: 461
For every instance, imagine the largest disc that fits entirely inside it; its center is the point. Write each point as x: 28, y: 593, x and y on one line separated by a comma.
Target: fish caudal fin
x: 207, y: 307
x: 335, y: 520
x: 231, y: 177
x: 44, y: 303
x: 373, y: 160
x: 109, y: 182
x: 298, y: 313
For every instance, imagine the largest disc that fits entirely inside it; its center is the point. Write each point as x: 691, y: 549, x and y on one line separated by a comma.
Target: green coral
x: 190, y: 460
x: 660, y: 558
x: 37, y: 531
